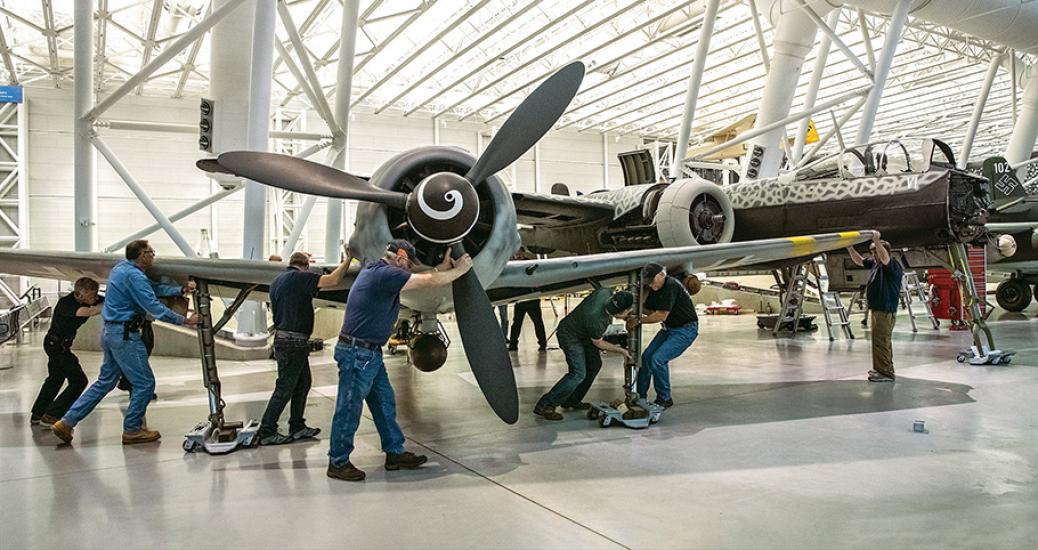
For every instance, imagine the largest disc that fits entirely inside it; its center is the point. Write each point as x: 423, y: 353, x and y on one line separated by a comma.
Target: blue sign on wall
x: 10, y: 94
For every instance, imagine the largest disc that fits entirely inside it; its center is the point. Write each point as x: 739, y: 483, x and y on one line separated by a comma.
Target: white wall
x: 163, y: 163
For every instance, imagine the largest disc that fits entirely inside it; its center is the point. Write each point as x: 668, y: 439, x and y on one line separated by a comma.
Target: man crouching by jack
x: 372, y: 308
x: 130, y: 296
x: 580, y: 336
x: 292, y: 300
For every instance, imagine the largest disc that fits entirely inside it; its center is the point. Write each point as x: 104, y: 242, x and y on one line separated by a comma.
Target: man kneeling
x: 580, y: 337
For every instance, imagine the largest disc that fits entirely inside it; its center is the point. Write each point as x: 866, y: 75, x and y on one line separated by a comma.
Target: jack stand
x: 983, y: 351
x: 215, y: 435
x: 631, y: 411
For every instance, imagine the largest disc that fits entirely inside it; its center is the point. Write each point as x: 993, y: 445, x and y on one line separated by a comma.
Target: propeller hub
x: 443, y: 208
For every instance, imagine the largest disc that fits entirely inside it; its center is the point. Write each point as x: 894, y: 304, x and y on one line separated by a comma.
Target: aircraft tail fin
x: 1005, y: 185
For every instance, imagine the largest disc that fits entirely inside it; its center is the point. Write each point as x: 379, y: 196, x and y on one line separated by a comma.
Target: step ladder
x: 915, y: 296
x: 836, y: 315
x: 792, y: 300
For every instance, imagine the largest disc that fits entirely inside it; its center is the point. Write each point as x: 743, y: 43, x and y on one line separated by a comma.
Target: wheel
x: 1013, y: 295
x: 604, y: 421
x: 391, y: 350
x: 190, y: 446
x: 1036, y: 292
x: 593, y: 414
x: 961, y: 358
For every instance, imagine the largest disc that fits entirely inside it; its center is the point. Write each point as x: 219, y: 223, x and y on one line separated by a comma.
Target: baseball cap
x: 396, y: 245
x: 651, y: 269
x: 620, y: 301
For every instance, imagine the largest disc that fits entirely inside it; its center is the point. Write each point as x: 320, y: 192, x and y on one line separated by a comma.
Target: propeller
x: 443, y: 208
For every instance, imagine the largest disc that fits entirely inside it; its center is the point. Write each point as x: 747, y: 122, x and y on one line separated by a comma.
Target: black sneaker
x: 879, y: 377
x: 582, y: 406
x: 346, y: 472
x: 406, y: 460
x: 275, y: 439
x: 305, y: 432
x: 546, y: 412
x: 665, y: 403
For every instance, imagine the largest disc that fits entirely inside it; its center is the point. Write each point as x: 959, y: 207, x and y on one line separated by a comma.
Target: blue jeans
x: 668, y: 344
x: 584, y: 361
x: 121, y: 358
x: 362, y: 377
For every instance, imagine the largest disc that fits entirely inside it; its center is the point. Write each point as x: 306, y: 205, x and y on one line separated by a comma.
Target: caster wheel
x: 190, y: 446
x: 604, y: 421
x: 593, y: 414
x: 391, y: 350
x: 961, y: 358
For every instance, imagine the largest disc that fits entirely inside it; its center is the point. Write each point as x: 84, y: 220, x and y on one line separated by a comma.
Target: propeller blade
x: 529, y: 122
x: 303, y: 176
x: 212, y: 166
x: 486, y: 349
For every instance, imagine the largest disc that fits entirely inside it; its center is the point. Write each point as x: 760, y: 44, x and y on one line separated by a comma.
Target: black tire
x: 1036, y: 292
x: 1013, y: 295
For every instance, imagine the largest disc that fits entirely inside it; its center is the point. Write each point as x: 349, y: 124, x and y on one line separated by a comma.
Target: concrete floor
x: 773, y: 443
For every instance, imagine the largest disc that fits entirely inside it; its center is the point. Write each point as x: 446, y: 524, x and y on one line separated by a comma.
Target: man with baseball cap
x: 668, y: 302
x: 580, y: 337
x: 372, y: 308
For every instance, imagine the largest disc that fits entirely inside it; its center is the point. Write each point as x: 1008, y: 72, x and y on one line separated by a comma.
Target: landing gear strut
x: 215, y: 435
x: 631, y: 411
x: 983, y: 351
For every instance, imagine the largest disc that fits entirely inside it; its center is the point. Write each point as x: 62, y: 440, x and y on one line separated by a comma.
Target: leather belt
x: 291, y: 334
x: 351, y: 341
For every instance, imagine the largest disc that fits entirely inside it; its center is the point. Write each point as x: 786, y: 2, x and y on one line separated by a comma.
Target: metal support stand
x: 215, y: 435
x: 833, y: 306
x: 983, y: 351
x: 790, y: 316
x: 631, y: 411
x: 913, y: 291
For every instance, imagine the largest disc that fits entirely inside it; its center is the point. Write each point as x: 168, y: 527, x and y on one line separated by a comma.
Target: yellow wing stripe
x: 803, y: 246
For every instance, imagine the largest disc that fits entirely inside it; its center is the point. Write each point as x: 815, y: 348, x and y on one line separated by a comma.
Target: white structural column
x: 978, y: 110
x: 694, y: 80
x: 794, y: 36
x: 605, y: 161
x: 886, y: 57
x: 230, y: 70
x: 1021, y: 142
x: 85, y: 157
x: 258, y: 123
x: 343, y: 92
x: 812, y: 89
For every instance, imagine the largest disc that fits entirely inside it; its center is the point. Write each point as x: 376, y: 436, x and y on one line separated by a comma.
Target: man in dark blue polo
x: 372, y: 309
x: 292, y: 301
x: 883, y: 293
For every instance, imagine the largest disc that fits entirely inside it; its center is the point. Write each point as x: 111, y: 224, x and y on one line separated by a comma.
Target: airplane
x: 1015, y: 217
x: 443, y: 199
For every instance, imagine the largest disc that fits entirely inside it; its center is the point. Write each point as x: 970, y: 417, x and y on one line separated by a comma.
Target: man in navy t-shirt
x: 883, y: 293
x: 371, y: 311
x: 292, y: 300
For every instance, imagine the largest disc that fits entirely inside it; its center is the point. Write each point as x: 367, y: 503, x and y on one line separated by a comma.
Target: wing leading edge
x: 549, y: 273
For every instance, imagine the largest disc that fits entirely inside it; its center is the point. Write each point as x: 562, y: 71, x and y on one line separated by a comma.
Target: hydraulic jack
x: 215, y: 435
x: 631, y: 411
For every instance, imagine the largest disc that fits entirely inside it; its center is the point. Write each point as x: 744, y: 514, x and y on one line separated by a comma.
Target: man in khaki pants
x: 883, y: 293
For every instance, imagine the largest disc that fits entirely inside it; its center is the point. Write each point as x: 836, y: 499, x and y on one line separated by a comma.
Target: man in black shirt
x: 883, y: 293
x: 69, y: 314
x: 291, y: 299
x: 667, y: 302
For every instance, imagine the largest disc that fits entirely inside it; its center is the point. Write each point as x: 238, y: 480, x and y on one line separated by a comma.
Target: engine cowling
x: 694, y: 212
x: 493, y: 239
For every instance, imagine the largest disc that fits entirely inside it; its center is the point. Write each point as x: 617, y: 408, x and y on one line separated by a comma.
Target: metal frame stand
x: 215, y: 435
x: 631, y: 411
x: 983, y: 351
x: 913, y: 291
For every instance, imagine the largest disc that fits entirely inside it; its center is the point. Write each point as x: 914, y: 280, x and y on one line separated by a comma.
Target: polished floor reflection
x: 771, y: 443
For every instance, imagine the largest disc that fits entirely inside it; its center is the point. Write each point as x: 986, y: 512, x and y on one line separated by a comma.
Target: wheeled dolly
x: 985, y: 356
x: 215, y: 435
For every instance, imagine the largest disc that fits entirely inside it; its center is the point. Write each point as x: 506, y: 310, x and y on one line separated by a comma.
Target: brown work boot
x: 63, y: 431
x: 406, y: 460
x: 48, y: 420
x: 546, y: 412
x: 142, y: 435
x: 346, y: 472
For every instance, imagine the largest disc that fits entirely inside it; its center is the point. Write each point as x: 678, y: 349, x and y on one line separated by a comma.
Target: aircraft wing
x: 538, y: 277
x: 540, y: 210
x: 1011, y: 227
x: 69, y: 266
